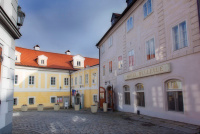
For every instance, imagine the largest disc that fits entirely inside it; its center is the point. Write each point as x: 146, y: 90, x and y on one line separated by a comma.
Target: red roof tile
x: 55, y: 60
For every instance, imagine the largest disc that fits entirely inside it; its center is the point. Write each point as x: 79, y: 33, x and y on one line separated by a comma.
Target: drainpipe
x: 99, y: 76
x: 70, y: 92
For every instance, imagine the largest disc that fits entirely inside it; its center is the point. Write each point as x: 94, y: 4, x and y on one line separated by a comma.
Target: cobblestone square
x: 73, y: 122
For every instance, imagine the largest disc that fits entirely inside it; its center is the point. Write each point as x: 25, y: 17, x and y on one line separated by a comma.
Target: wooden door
x: 102, y: 94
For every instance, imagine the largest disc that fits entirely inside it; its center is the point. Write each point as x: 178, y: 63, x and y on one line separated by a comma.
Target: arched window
x: 127, y: 95
x: 174, y: 95
x: 140, y: 95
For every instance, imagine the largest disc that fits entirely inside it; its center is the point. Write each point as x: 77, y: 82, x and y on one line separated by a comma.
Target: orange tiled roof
x: 55, y: 60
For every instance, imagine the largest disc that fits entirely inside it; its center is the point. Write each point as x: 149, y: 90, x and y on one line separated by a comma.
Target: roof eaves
x: 124, y: 12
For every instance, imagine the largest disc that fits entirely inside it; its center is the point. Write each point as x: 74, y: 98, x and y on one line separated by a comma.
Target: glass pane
x: 183, y: 34
x: 145, y: 10
x: 171, y: 100
x: 175, y: 38
x: 127, y: 97
x: 149, y: 6
x: 174, y: 84
x: 140, y: 99
x: 180, y: 101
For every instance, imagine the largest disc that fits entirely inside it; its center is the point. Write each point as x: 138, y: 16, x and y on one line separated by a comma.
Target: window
x: 95, y: 98
x: 140, y: 95
x: 127, y: 95
x: 72, y: 81
x: 80, y: 80
x: 103, y: 48
x: 131, y: 58
x: 78, y: 63
x: 75, y: 80
x: 110, y: 66
x: 31, y: 101
x: 175, y: 96
x: 66, y: 82
x: 150, y: 49
x: 42, y: 61
x: 179, y: 34
x: 53, y: 99
x: 16, y: 57
x: 120, y: 62
x: 94, y: 77
x: 16, y: 79
x: 129, y: 24
x: 86, y: 79
x: 53, y: 80
x: 31, y: 80
x: 104, y: 70
x: 59, y: 99
x: 110, y: 41
x: 15, y: 101
x: 147, y: 8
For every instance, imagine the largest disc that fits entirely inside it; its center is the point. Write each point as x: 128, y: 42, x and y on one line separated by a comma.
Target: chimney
x: 114, y: 18
x: 68, y: 52
x: 129, y: 2
x: 36, y: 47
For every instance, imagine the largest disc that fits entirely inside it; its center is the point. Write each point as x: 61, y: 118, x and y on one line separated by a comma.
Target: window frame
x: 110, y: 41
x: 16, y: 80
x: 55, y: 99
x: 78, y: 63
x: 133, y: 59
x: 80, y: 80
x: 17, y: 100
x: 53, y: 84
x: 110, y: 66
x: 72, y: 81
x: 76, y: 81
x: 66, y: 81
x: 120, y: 63
x: 104, y: 70
x: 126, y: 86
x: 102, y: 48
x: 129, y: 24
x: 140, y: 91
x: 174, y: 90
x: 87, y: 79
x: 173, y: 45
x: 32, y: 80
x: 148, y: 13
x: 94, y: 77
x: 93, y: 98
x: 33, y: 100
x: 146, y: 45
x: 42, y: 62
x: 59, y: 97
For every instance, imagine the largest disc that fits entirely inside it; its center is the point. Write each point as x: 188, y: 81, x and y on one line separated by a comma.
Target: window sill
x: 148, y: 15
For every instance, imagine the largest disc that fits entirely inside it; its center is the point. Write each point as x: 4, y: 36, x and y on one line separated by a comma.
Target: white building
x: 9, y: 31
x: 150, y: 56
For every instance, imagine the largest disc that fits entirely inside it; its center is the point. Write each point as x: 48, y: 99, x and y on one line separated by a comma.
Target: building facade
x: 47, y: 78
x: 150, y: 56
x: 9, y: 31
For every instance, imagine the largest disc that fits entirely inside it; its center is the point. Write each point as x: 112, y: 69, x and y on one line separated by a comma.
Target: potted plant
x: 105, y: 106
x: 56, y: 107
x: 77, y: 107
x: 24, y: 108
x: 40, y: 107
x: 94, y: 108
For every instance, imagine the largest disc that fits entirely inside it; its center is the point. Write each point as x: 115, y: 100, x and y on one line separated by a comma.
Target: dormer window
x: 42, y: 61
x: 17, y: 56
x: 78, y: 63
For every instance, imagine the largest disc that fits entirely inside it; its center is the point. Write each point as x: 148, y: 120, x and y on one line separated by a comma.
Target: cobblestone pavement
x: 73, y: 122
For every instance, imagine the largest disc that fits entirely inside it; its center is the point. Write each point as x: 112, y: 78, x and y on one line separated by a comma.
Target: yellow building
x: 47, y: 78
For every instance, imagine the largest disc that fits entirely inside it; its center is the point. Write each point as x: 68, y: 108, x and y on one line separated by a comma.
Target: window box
x: 24, y: 108
x: 40, y: 107
x: 56, y: 107
x: 94, y: 108
x: 77, y: 107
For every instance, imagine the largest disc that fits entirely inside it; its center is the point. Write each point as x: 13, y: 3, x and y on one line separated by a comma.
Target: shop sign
x: 164, y: 68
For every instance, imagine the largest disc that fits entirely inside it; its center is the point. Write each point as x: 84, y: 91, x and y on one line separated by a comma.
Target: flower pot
x: 77, y: 107
x: 105, y: 107
x: 56, y: 107
x: 24, y: 108
x: 94, y: 108
x: 40, y: 107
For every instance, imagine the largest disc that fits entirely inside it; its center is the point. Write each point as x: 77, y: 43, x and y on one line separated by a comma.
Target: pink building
x: 150, y: 56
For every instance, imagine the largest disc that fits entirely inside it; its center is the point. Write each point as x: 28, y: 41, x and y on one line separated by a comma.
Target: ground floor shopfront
x: 169, y: 90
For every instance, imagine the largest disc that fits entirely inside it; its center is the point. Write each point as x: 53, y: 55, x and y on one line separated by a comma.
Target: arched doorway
x: 102, y: 94
x: 110, y: 97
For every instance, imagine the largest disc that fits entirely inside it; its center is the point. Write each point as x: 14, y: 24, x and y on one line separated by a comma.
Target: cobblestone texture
x: 78, y: 122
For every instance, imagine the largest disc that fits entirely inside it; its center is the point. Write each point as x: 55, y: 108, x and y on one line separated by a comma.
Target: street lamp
x: 20, y: 17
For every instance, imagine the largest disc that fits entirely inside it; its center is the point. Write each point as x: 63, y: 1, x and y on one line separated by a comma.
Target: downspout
x: 70, y: 92
x: 198, y: 7
x: 99, y: 76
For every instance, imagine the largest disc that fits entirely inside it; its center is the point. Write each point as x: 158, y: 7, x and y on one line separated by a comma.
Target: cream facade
x: 152, y: 61
x: 9, y: 31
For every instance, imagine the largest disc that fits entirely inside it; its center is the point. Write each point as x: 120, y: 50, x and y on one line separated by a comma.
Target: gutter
x: 124, y: 12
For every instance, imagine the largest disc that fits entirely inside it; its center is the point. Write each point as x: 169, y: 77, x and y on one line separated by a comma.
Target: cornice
x: 8, y: 24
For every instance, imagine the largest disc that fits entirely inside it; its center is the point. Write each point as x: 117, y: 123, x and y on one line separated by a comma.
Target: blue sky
x: 60, y: 25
